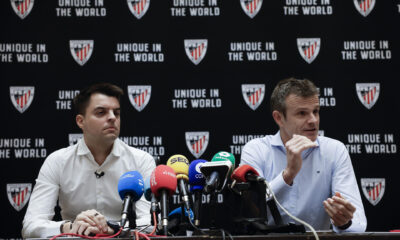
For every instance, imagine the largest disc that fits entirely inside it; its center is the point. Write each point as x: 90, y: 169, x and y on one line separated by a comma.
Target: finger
x: 93, y: 230
x: 100, y: 221
x: 338, y: 219
x: 84, y: 216
x: 345, y: 203
x: 82, y: 227
x: 74, y: 228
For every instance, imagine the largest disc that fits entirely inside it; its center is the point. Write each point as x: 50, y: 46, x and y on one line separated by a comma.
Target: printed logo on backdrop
x: 366, y: 50
x: 22, y: 7
x: 238, y: 142
x: 22, y: 148
x: 368, y: 93
x: 326, y: 97
x: 252, y: 51
x: 23, y: 53
x: 139, y: 52
x: 308, y: 48
x: 150, y: 144
x: 195, y: 8
x: 22, y: 97
x: 73, y: 138
x: 251, y: 7
x: 364, y: 7
x: 373, y: 189
x: 81, y: 50
x: 371, y: 143
x: 196, y: 98
x: 253, y: 94
x: 197, y: 142
x: 64, y: 100
x: 138, y: 7
x: 139, y: 96
x: 18, y: 194
x: 308, y: 8
x: 196, y: 49
x: 81, y: 8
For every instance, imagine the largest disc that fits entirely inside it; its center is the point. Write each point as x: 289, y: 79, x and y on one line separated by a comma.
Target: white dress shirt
x: 326, y: 169
x: 67, y: 175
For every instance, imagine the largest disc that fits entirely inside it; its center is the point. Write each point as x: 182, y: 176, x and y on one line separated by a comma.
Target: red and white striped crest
x: 196, y: 49
x: 22, y: 7
x: 253, y: 94
x: 251, y: 7
x: 364, y: 7
x: 139, y: 96
x: 22, y: 97
x: 373, y: 189
x: 309, y: 48
x: 197, y: 142
x: 18, y: 194
x: 368, y: 93
x: 138, y: 7
x: 81, y: 50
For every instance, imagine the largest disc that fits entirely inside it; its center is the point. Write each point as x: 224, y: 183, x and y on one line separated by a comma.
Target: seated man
x: 84, y: 177
x: 304, y: 169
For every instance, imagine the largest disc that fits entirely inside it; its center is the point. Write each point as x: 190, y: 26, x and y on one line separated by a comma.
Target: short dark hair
x: 299, y: 87
x: 81, y: 101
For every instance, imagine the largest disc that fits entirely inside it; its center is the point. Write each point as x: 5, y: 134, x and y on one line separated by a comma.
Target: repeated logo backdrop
x: 197, y: 76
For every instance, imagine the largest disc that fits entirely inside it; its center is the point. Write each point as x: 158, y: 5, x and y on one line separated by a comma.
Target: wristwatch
x: 346, y: 226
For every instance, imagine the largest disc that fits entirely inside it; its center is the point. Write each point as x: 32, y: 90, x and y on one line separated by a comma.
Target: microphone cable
x: 287, y: 212
x: 97, y: 236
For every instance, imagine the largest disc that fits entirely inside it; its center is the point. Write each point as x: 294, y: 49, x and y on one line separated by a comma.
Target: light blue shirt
x: 326, y: 169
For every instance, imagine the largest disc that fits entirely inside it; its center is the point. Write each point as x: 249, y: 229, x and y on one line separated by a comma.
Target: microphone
x: 163, y: 184
x: 180, y: 164
x: 174, y: 221
x: 99, y: 174
x: 246, y: 173
x: 130, y: 188
x: 150, y: 196
x: 218, y: 169
x: 196, y: 181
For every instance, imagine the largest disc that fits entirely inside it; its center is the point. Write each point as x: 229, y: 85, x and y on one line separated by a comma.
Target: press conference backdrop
x: 197, y: 76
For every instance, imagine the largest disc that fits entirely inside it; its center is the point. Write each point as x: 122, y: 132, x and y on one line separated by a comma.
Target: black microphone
x: 99, y: 174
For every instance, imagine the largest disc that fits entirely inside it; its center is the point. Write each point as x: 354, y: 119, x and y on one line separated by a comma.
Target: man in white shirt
x: 312, y: 176
x: 84, y: 177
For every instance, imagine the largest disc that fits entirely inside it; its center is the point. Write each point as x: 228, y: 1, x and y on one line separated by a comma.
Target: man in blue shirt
x: 312, y: 176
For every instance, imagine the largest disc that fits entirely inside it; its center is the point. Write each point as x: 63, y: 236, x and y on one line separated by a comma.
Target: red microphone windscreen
x: 240, y: 173
x: 163, y: 177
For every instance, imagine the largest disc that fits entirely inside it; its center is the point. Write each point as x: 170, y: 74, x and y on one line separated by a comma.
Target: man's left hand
x: 339, y: 209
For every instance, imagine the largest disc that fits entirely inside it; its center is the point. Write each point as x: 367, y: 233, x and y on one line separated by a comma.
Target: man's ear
x: 79, y: 120
x: 278, y: 117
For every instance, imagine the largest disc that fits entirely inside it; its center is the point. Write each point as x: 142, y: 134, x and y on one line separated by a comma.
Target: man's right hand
x: 294, y: 147
x: 88, y: 222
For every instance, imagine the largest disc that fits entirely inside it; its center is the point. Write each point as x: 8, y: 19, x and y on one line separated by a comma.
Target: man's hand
x: 339, y: 209
x: 88, y: 222
x: 294, y: 147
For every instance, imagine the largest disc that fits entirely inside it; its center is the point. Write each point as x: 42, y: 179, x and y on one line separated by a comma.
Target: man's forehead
x: 295, y: 101
x: 99, y: 100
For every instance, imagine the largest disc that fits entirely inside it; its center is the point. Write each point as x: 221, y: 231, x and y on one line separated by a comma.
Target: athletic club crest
x: 139, y: 96
x: 18, y: 194
x: 251, y: 7
x: 138, y: 7
x: 368, y: 93
x: 373, y: 189
x: 364, y: 7
x: 73, y: 138
x: 309, y: 48
x: 253, y: 94
x: 22, y: 97
x: 22, y: 7
x: 197, y: 142
x: 196, y: 49
x: 81, y: 50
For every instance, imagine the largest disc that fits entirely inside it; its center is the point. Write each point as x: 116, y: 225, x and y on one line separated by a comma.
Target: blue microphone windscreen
x: 196, y: 178
x: 131, y: 183
x: 178, y: 212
